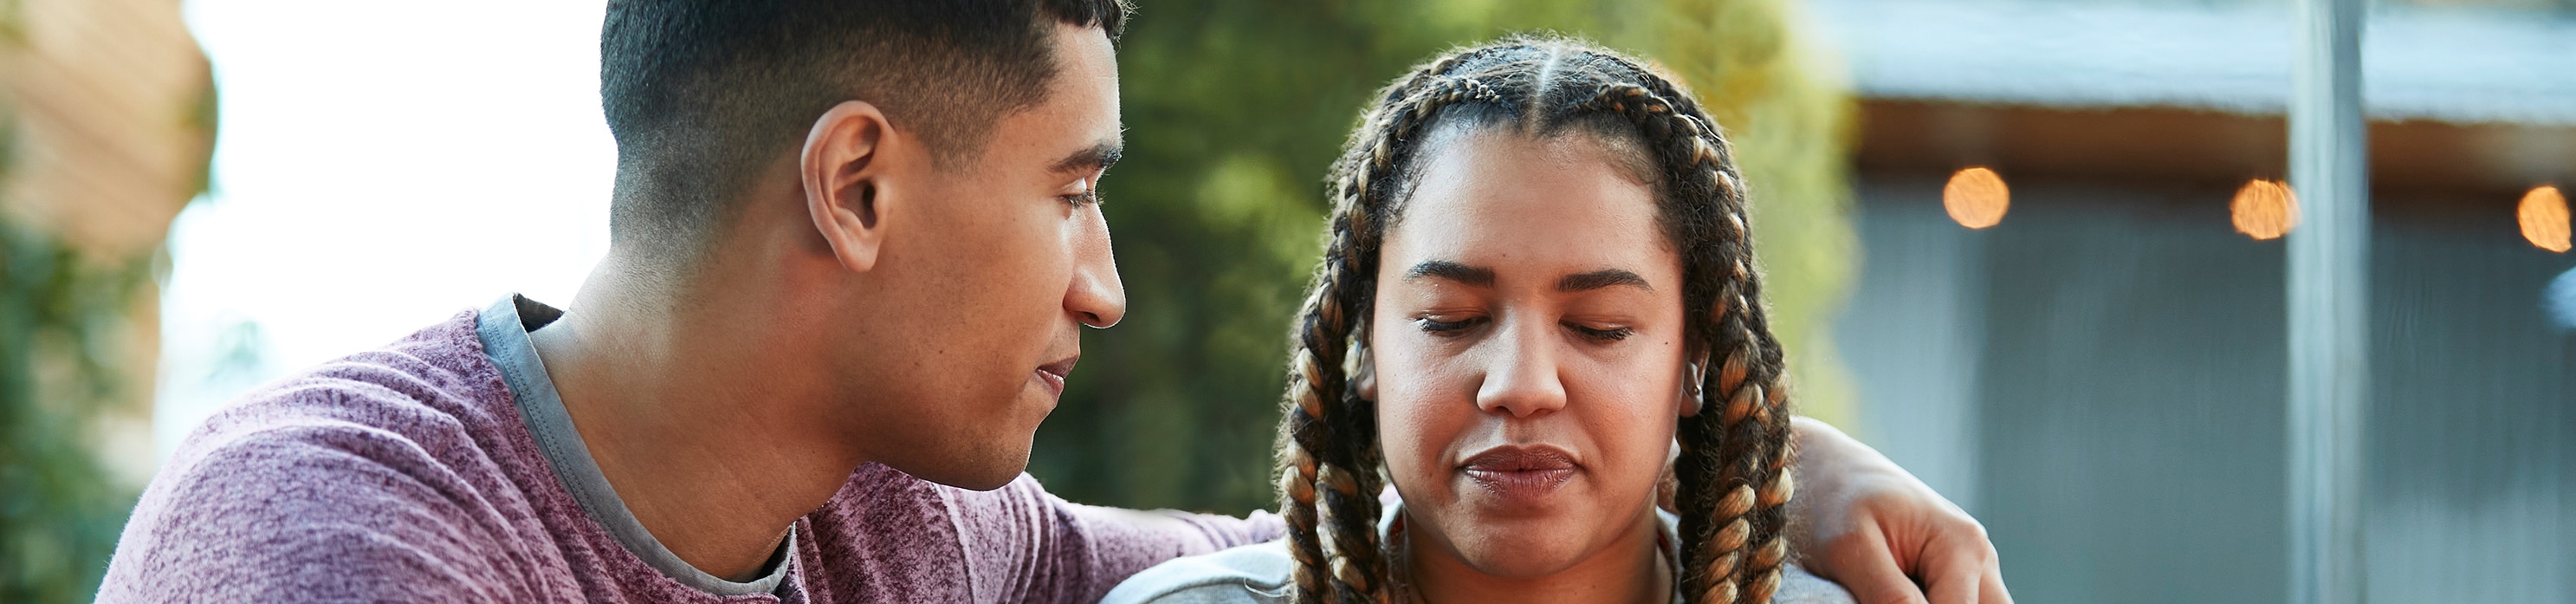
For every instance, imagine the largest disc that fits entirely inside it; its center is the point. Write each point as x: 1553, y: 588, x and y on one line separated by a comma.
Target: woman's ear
x: 1363, y: 373
x: 843, y: 167
x: 1694, y: 390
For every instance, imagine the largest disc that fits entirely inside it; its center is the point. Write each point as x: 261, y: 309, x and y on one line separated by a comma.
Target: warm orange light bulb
x: 2543, y: 215
x: 1976, y: 197
x: 2264, y: 209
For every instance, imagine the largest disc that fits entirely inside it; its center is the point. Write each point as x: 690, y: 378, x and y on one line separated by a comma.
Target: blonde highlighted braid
x: 1733, y: 471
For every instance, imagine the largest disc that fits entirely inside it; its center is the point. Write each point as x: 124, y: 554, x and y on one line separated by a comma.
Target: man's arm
x: 1858, y: 519
x: 1078, y: 552
x: 1861, y: 521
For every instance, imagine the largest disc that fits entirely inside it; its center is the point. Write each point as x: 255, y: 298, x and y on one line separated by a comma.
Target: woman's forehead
x: 1541, y: 206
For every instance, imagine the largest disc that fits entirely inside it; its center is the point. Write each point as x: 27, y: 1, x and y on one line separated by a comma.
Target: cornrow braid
x: 1733, y: 471
x: 1329, y: 462
x: 1739, y: 444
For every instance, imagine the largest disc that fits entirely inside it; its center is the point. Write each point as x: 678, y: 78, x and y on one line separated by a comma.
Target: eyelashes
x: 1089, y: 196
x: 1445, y: 328
x: 1606, y: 335
x: 1451, y: 329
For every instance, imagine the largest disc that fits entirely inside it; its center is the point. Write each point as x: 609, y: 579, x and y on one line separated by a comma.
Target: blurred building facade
x: 2099, y: 376
x: 110, y: 125
x: 105, y: 112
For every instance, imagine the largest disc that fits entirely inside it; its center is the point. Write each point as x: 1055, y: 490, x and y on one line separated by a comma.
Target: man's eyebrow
x: 1468, y: 275
x: 1097, y: 158
x: 1607, y: 277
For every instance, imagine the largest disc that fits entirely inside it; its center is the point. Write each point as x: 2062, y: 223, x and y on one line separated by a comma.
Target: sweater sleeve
x: 303, y: 514
x: 1023, y: 544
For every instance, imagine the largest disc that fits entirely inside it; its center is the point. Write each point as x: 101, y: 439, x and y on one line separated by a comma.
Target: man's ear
x: 844, y: 166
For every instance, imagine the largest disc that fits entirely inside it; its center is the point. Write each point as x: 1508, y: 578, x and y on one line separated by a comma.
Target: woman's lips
x: 1520, y: 474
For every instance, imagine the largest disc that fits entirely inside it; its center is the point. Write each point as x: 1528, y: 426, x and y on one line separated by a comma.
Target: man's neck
x: 691, y: 422
x: 1629, y: 570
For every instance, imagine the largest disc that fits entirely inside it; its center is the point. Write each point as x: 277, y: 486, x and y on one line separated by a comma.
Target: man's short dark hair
x: 703, y: 94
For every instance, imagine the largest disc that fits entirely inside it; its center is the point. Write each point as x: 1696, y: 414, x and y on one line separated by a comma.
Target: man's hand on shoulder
x: 1861, y: 521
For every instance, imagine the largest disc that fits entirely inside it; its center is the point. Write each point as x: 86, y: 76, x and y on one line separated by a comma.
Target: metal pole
x: 2328, y: 310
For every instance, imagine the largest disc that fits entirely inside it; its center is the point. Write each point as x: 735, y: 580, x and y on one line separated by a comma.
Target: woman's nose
x: 1521, y: 372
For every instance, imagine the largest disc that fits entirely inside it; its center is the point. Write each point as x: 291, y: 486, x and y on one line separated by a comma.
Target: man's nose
x: 1096, y: 297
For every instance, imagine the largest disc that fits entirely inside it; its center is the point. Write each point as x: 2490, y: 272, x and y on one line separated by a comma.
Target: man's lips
x: 1521, y: 472
x: 1053, y: 374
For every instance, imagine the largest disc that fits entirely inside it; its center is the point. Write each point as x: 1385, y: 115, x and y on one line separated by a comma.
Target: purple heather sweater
x: 412, y: 474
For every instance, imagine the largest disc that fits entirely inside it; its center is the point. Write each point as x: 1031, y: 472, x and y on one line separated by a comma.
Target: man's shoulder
x: 432, y: 390
x: 387, y: 459
x: 882, y: 512
x: 886, y: 536
x: 315, y: 509
x: 1250, y: 573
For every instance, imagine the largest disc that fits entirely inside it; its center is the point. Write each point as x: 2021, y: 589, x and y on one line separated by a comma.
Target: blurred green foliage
x: 62, y: 340
x: 1235, y: 109
x: 66, y: 321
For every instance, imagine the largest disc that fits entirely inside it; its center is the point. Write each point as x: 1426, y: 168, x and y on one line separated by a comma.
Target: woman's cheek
x: 1644, y: 429
x: 1415, y: 426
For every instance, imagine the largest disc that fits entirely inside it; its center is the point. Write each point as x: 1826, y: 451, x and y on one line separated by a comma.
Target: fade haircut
x: 702, y: 95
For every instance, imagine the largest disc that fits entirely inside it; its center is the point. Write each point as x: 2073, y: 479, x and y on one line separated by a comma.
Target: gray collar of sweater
x: 504, y: 328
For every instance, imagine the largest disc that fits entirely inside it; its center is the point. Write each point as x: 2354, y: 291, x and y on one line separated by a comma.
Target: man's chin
x: 1039, y: 398
x: 987, y: 461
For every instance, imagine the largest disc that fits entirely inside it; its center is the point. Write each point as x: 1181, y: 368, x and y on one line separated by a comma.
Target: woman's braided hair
x: 1733, y: 470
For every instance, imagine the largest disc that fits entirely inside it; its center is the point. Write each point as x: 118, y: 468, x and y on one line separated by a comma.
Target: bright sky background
x: 381, y: 166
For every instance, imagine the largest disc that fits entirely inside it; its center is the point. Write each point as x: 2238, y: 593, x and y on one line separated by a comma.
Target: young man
x: 853, y: 247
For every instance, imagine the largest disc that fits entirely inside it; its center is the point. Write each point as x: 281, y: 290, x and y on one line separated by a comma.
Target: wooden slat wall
x: 107, y: 97
x: 108, y: 107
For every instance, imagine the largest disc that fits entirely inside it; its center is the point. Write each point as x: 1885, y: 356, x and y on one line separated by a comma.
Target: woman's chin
x: 1520, y: 554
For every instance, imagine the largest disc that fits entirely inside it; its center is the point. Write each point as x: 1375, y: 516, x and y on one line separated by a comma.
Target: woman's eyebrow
x: 1466, y: 275
x: 1607, y: 277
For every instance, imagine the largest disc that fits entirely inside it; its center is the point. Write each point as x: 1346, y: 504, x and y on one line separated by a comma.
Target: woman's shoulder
x: 1797, y: 586
x: 1256, y: 573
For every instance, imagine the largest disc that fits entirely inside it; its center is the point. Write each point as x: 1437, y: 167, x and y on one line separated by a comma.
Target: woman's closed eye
x: 1603, y: 334
x: 1449, y: 326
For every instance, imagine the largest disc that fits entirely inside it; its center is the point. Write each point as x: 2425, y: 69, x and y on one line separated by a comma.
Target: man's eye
x: 1089, y: 195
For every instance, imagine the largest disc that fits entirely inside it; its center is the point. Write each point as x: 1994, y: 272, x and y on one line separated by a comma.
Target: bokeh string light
x: 1976, y: 197
x: 2264, y: 209
x: 2543, y: 215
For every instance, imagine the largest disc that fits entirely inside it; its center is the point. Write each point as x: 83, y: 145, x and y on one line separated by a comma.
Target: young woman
x: 1538, y: 316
